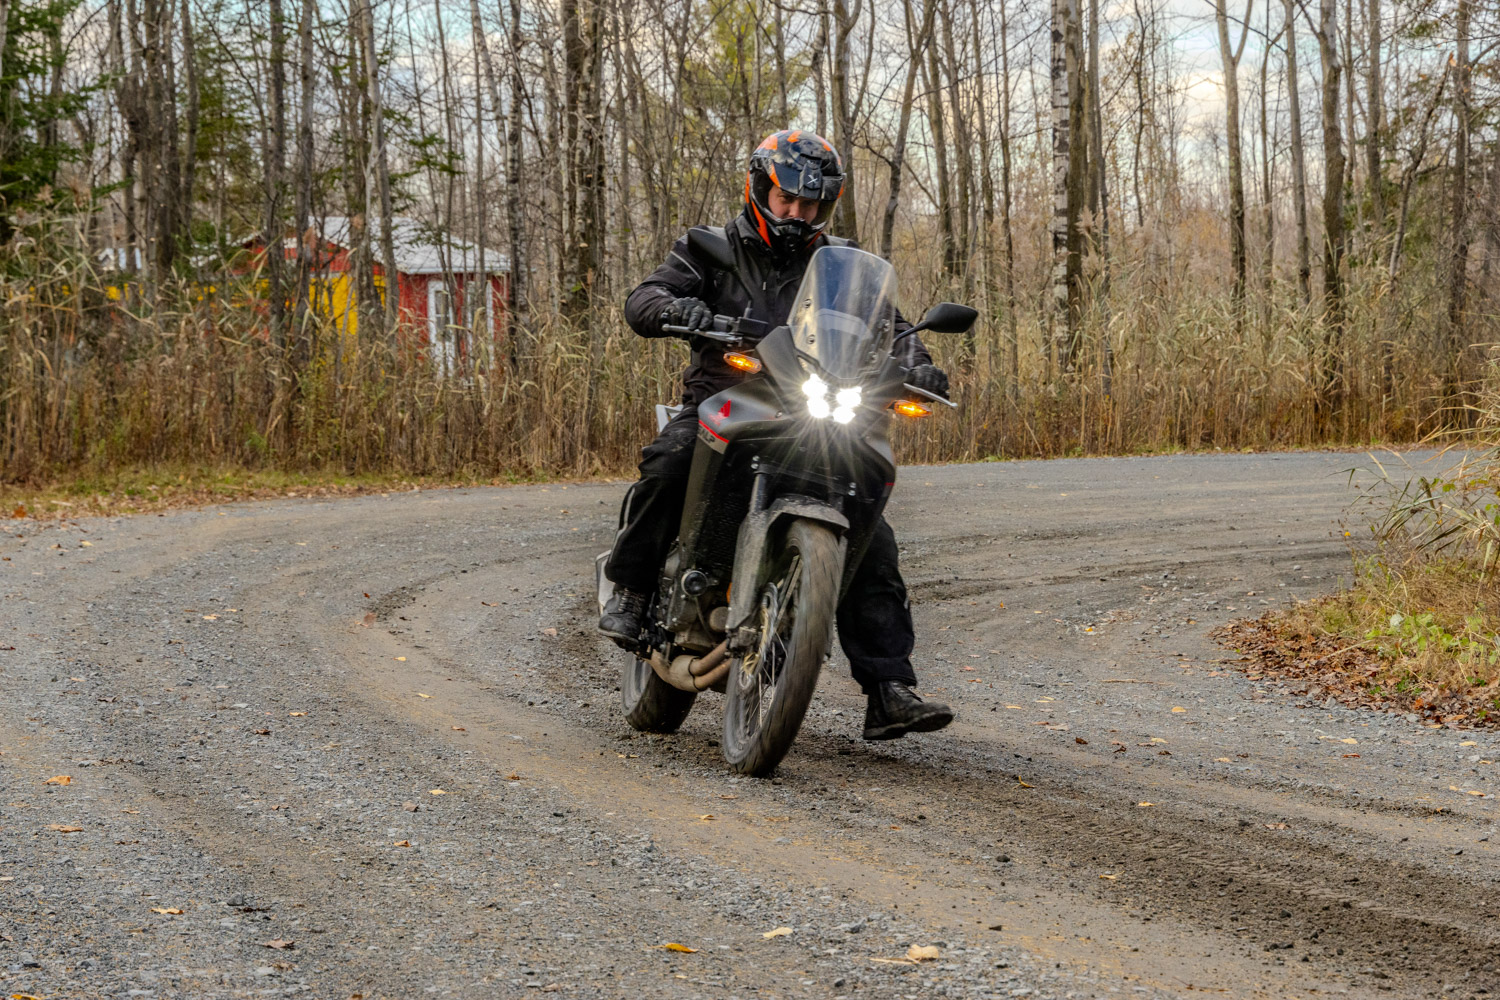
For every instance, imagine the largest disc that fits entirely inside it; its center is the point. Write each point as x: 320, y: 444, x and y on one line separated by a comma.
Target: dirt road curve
x: 1118, y: 811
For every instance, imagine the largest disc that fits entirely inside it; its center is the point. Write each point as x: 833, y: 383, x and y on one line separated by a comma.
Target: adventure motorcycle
x: 790, y: 474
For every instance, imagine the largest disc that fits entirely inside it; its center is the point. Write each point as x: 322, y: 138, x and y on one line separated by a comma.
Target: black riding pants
x: 874, y: 617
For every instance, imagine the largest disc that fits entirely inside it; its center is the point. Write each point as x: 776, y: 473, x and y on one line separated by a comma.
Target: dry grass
x: 92, y: 388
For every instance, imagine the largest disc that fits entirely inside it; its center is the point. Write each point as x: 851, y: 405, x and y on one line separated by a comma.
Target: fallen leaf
x: 24, y: 996
x: 778, y: 932
x: 410, y: 806
x: 61, y: 779
x: 923, y: 953
x: 60, y: 828
x: 366, y: 593
x: 421, y: 695
x: 728, y: 796
x: 1024, y: 785
x: 1348, y: 755
x: 706, y: 817
x: 166, y: 910
x: 296, y: 713
x: 1080, y: 741
x: 674, y: 946
x: 1465, y: 743
x: 368, y: 620
x: 132, y: 812
x: 1145, y: 803
x: 437, y: 791
x: 487, y: 604
x: 1178, y: 708
x: 458, y: 729
x: 514, y: 777
x: 1223, y: 760
x: 400, y: 659
x: 1276, y: 826
x: 19, y: 512
x: 1479, y: 794
x: 549, y: 631
x: 262, y: 732
x: 1157, y: 739
x: 402, y: 843
x: 279, y: 944
x: 1012, y: 706
x: 210, y: 618
x: 1349, y: 740
x: 1110, y: 877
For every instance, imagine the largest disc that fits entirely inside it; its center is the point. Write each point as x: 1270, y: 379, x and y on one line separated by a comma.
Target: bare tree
x: 915, y: 46
x: 1229, y: 56
x: 1299, y: 164
x: 1458, y: 261
x: 1331, y: 382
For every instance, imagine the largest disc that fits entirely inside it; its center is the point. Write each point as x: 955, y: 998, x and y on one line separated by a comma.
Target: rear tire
x: 770, y: 688
x: 651, y: 704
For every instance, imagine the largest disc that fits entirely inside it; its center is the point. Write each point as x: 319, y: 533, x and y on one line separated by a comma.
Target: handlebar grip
x: 719, y: 335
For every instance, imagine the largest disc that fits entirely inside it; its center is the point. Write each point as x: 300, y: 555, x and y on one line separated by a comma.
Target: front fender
x: 750, y: 549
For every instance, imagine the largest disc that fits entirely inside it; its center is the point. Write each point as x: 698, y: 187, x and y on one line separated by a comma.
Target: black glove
x: 689, y: 312
x: 929, y: 378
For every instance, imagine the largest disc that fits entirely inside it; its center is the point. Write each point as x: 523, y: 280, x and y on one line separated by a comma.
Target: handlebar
x: 930, y: 395
x: 722, y: 337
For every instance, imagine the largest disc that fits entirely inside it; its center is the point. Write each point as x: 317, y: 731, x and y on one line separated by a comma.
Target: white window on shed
x: 441, y: 334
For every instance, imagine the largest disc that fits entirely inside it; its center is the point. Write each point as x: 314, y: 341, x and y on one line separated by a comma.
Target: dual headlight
x: 818, y: 405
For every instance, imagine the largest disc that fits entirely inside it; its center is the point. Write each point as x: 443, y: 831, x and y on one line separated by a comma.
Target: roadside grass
x: 1418, y: 630
x: 161, y: 488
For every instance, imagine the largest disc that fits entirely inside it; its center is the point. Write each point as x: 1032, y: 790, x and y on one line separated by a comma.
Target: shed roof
x: 420, y: 248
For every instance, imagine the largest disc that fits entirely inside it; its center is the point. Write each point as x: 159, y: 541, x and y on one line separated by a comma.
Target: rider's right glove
x: 930, y: 378
x: 689, y: 312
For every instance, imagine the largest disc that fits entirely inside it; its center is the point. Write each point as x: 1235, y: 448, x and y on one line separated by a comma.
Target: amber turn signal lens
x: 743, y: 362
x: 911, y: 408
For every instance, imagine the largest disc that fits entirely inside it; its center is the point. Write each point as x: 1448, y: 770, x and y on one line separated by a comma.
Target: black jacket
x: 763, y: 285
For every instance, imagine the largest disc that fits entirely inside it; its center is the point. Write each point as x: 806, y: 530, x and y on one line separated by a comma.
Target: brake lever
x: 930, y: 395
x: 720, y: 336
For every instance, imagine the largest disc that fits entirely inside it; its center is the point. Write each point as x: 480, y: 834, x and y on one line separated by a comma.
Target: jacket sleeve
x: 680, y: 275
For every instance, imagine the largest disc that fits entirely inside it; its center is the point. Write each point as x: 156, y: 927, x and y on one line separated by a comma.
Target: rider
x: 793, y: 182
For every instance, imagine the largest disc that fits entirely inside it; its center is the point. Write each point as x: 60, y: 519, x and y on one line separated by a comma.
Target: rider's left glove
x: 929, y: 378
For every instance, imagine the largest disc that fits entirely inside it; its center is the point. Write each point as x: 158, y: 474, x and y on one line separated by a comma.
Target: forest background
x: 1188, y: 224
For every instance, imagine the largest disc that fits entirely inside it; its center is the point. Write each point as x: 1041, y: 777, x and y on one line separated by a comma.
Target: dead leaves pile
x: 1279, y: 647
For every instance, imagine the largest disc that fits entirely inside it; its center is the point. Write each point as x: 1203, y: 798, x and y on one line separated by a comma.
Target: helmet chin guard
x: 803, y: 165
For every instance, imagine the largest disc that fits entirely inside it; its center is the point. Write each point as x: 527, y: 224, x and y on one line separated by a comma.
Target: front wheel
x: 770, y: 688
x: 651, y: 704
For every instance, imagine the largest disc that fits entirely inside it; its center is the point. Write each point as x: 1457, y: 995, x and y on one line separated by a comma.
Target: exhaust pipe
x: 693, y: 673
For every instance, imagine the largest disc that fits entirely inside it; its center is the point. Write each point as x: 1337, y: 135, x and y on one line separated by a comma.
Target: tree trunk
x: 819, y: 61
x: 916, y: 43
x: 188, y: 176
x: 275, y: 169
x: 1229, y: 57
x: 377, y: 167
x: 1374, y: 118
x: 1067, y: 182
x: 583, y: 63
x: 516, y: 283
x: 307, y: 249
x: 1267, y: 193
x: 963, y: 155
x: 1099, y: 197
x: 843, y: 23
x: 1458, y: 261
x: 1299, y: 164
x: 1332, y: 380
x: 1012, y: 338
x: 936, y: 121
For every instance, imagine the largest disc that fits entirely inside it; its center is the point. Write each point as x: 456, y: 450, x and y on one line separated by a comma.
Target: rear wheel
x: 770, y: 688
x: 651, y: 704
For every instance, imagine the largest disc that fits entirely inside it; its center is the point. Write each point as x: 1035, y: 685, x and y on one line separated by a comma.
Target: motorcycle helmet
x: 801, y: 164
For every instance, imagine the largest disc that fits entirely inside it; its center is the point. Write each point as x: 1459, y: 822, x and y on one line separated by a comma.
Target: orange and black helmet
x: 801, y: 164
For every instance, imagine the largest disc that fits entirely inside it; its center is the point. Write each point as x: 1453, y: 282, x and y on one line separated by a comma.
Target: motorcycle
x: 790, y: 475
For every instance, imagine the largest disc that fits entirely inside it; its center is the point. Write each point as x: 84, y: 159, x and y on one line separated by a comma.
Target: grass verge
x: 155, y: 490
x: 1419, y: 635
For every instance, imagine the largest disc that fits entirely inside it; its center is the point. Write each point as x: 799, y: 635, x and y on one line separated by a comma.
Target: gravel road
x: 373, y: 748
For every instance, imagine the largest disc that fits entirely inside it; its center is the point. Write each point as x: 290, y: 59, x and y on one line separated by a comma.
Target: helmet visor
x: 796, y: 183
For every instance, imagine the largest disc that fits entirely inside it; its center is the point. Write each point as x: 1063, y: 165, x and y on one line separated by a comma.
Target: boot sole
x: 896, y: 730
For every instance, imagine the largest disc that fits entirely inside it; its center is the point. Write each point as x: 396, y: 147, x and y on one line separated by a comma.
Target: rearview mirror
x: 712, y: 245
x: 948, y: 317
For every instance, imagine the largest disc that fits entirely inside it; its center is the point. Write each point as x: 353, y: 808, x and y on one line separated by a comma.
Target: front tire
x: 651, y: 704
x: 770, y: 688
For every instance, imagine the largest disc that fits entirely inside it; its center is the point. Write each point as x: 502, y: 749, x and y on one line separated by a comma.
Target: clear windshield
x: 845, y: 314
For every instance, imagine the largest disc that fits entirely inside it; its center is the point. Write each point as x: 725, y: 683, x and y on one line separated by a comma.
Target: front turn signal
x: 743, y: 362
x: 911, y: 408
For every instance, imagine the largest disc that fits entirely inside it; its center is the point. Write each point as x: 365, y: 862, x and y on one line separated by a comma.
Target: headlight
x: 820, y: 407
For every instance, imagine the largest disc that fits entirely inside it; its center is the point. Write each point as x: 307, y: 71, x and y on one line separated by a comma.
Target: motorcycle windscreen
x: 845, y: 314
